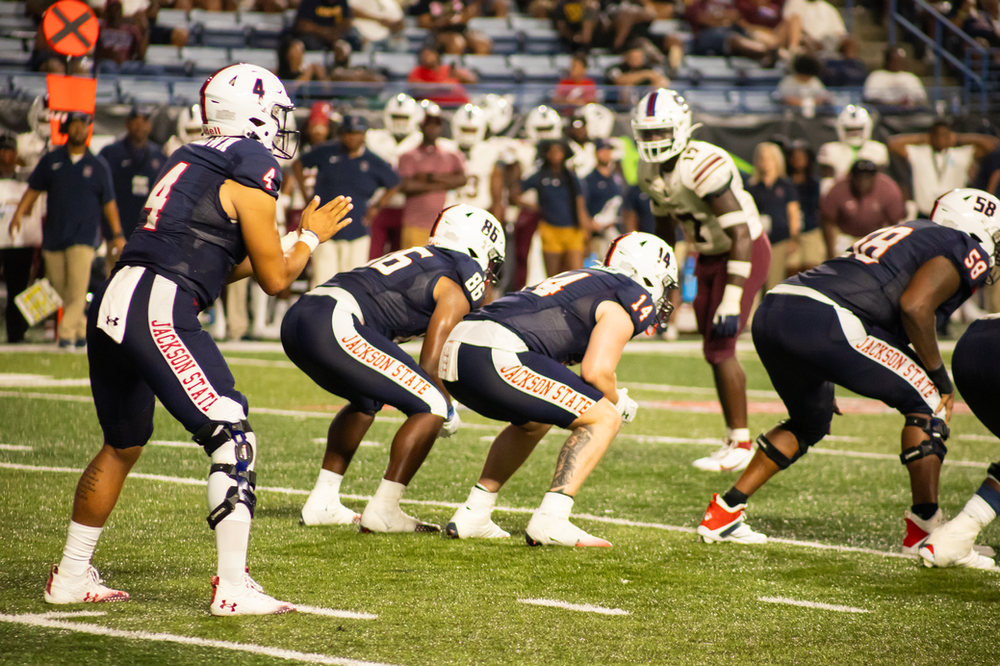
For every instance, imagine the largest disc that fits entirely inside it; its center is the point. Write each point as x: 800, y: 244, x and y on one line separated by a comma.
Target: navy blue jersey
x: 870, y: 279
x: 183, y: 233
x: 396, y: 292
x: 557, y: 316
x: 134, y: 171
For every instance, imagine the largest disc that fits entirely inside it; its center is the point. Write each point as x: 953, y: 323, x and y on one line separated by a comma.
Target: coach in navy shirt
x: 604, y: 186
x: 346, y: 168
x: 135, y: 163
x: 80, y: 193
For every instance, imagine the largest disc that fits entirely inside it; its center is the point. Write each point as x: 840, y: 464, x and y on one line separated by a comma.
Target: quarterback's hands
x: 727, y: 319
x: 948, y: 404
x: 452, y: 423
x: 626, y: 406
x: 327, y: 220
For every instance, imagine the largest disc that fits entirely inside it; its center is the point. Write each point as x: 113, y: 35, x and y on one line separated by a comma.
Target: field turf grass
x: 439, y: 601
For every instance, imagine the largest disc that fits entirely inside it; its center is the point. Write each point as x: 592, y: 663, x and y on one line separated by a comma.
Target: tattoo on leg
x: 88, y: 483
x: 566, y: 465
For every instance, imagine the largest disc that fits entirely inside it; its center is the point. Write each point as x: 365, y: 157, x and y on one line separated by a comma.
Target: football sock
x: 481, y: 500
x: 328, y: 482
x: 740, y: 436
x: 925, y: 511
x: 556, y: 504
x: 232, y: 536
x: 389, y: 492
x: 734, y: 497
x: 984, y: 505
x: 80, y: 544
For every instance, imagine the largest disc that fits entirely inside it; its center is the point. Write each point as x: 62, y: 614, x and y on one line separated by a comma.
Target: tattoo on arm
x: 566, y: 465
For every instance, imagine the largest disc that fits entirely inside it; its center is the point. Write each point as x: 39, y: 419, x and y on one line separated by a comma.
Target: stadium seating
x: 266, y: 58
x: 489, y: 67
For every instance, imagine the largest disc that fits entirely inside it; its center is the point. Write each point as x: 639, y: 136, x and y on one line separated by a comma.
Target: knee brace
x: 938, y: 434
x: 231, y: 479
x: 777, y: 457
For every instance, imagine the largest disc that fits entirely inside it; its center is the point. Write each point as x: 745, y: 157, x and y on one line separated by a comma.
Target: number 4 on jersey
x: 160, y: 194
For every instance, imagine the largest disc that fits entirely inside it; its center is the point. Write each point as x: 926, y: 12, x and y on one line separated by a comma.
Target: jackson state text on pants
x: 385, y: 364
x: 899, y: 363
x: 547, y: 389
x: 182, y: 363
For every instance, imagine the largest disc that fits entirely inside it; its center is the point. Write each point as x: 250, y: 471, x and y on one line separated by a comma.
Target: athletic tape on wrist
x: 289, y: 240
x: 740, y: 268
x: 732, y: 294
x: 310, y: 238
x: 727, y: 220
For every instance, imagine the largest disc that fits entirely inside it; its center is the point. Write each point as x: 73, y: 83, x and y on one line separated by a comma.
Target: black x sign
x: 71, y: 27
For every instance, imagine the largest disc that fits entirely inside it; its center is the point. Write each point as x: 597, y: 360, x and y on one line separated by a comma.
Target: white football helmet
x: 975, y: 212
x: 499, y: 112
x: 600, y: 120
x: 650, y: 262
x: 468, y: 126
x: 543, y: 123
x: 38, y: 117
x: 854, y: 125
x: 249, y: 101
x: 189, y: 123
x: 472, y: 231
x: 403, y: 115
x: 661, y: 113
x: 429, y: 108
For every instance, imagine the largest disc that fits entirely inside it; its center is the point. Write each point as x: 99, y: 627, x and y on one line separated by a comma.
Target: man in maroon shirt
x: 863, y: 202
x: 119, y: 42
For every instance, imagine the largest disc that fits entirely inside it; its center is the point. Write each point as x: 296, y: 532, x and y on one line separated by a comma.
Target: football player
x: 508, y: 362
x: 866, y: 321
x: 974, y: 364
x: 483, y: 156
x: 343, y: 335
x: 209, y: 219
x: 854, y: 142
x: 697, y: 185
x: 188, y: 129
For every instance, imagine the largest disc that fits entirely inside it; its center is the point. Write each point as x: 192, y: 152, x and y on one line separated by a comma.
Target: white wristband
x: 310, y: 238
x: 732, y: 294
x: 289, y: 240
x: 740, y: 268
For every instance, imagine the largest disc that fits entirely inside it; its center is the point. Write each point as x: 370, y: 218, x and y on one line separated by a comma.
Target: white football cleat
x: 327, y: 510
x: 547, y: 530
x: 918, y: 529
x: 247, y: 598
x: 730, y: 457
x: 724, y: 523
x: 383, y: 518
x: 85, y: 589
x: 952, y: 545
x: 469, y: 524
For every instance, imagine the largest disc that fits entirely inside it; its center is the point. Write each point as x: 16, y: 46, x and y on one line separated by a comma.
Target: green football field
x: 829, y: 588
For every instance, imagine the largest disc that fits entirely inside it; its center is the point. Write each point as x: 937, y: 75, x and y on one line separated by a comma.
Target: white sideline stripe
x: 700, y: 390
x: 97, y: 630
x: 178, y: 445
x: 56, y: 615
x: 812, y: 604
x: 14, y: 380
x: 14, y: 447
x: 889, y: 456
x: 46, y: 396
x: 978, y: 438
x: 322, y: 440
x: 454, y: 505
x: 330, y: 612
x: 585, y: 608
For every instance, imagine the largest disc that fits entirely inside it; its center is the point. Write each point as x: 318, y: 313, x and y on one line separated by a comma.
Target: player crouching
x: 507, y: 362
x: 343, y: 335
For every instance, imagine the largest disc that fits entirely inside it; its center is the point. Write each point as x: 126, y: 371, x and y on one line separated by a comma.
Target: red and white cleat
x: 247, y: 598
x: 730, y: 457
x: 725, y: 523
x: 85, y: 589
x: 953, y: 545
x: 918, y: 529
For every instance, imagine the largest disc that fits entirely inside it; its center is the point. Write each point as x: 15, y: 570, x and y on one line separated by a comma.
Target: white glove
x: 727, y: 316
x: 452, y: 423
x: 626, y: 406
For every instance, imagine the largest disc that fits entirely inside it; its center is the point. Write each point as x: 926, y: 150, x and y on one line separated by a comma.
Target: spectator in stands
x: 135, y: 163
x: 635, y: 70
x: 291, y: 61
x: 342, y: 69
x: 894, y: 85
x: 448, y: 21
x: 587, y: 24
x: 603, y: 189
x: 940, y: 160
x: 121, y: 46
x: 802, y: 88
x: 810, y: 251
x: 718, y: 32
x: 320, y: 23
x: 345, y: 168
x: 777, y: 201
x: 79, y: 184
x: 380, y: 23
x: 429, y: 172
x: 17, y: 251
x: 863, y: 202
x: 565, y: 226
x: 823, y: 27
x: 450, y: 77
x: 762, y: 19
x: 577, y: 88
x: 847, y: 71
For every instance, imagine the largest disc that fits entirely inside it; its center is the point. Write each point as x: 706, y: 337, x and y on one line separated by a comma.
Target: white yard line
x: 322, y: 440
x: 584, y: 608
x: 97, y: 630
x: 59, y: 615
x: 330, y: 612
x: 977, y: 438
x: 812, y: 604
x: 14, y: 447
x: 17, y: 380
x: 176, y: 445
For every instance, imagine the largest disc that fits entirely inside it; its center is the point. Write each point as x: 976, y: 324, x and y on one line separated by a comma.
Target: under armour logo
x: 112, y: 321
x: 231, y: 607
x: 86, y: 597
